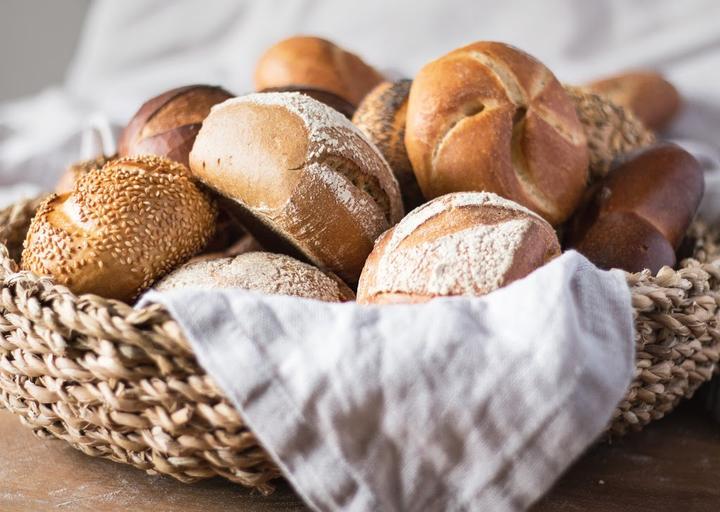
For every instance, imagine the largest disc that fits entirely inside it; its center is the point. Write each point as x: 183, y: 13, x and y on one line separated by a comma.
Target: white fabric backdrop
x: 133, y: 49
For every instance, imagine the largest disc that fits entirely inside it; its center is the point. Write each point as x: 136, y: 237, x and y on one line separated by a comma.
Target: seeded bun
x: 302, y: 178
x: 381, y: 117
x: 263, y: 272
x: 166, y: 125
x: 645, y: 93
x: 121, y: 227
x: 489, y: 117
x: 71, y: 174
x: 314, y: 62
x: 459, y: 244
x: 611, y: 130
x: 329, y: 98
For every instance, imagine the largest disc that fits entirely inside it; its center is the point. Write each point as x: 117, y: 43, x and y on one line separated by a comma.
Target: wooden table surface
x: 674, y: 465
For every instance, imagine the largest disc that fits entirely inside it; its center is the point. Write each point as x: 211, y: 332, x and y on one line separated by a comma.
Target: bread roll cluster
x: 312, y: 176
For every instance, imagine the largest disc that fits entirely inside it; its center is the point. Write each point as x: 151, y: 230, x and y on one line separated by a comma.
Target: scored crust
x: 263, y: 272
x: 490, y: 117
x: 459, y: 244
x: 301, y: 176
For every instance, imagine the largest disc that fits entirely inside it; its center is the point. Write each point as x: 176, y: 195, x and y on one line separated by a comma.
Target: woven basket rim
x: 152, y: 406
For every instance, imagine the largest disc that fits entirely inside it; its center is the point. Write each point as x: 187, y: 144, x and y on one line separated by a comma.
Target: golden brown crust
x: 646, y: 93
x: 121, y: 227
x: 167, y: 125
x: 314, y: 62
x: 458, y: 244
x: 381, y: 117
x: 639, y: 213
x: 490, y: 117
x: 302, y: 178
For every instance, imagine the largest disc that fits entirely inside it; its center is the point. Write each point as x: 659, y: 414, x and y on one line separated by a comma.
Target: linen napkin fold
x: 456, y: 404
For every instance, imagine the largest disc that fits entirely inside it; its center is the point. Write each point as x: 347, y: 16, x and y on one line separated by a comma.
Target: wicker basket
x: 122, y: 383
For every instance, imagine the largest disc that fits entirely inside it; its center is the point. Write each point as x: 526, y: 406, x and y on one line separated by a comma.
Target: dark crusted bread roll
x: 638, y: 215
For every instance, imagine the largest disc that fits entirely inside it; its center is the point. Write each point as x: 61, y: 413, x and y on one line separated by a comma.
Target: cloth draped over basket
x: 463, y: 403
x: 124, y: 383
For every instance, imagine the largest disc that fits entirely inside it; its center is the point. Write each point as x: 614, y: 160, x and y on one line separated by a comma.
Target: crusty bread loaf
x: 490, y: 117
x: 646, y: 93
x: 329, y: 98
x: 638, y: 215
x: 381, y: 117
x: 612, y: 131
x: 74, y: 171
x: 262, y: 272
x: 121, y: 227
x: 459, y: 244
x: 303, y: 179
x: 314, y: 62
x: 166, y: 125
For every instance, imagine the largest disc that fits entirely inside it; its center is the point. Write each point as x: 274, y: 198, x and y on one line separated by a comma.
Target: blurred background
x: 37, y: 41
x: 73, y: 67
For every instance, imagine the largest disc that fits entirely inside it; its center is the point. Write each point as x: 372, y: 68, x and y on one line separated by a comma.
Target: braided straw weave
x: 122, y: 383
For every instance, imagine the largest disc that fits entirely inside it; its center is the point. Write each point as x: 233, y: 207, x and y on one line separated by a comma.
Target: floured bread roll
x: 300, y: 177
x: 263, y: 272
x: 467, y: 243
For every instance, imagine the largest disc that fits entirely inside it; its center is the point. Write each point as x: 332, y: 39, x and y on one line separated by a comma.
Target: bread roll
x: 121, y: 227
x: 302, y: 178
x: 166, y: 125
x: 459, y: 244
x: 611, y: 130
x: 490, y: 117
x: 329, y: 98
x: 314, y: 62
x: 647, y: 94
x: 262, y: 272
x: 639, y: 214
x: 74, y: 171
x: 381, y: 117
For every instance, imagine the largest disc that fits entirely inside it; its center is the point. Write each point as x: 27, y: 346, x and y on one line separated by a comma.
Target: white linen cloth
x: 456, y: 404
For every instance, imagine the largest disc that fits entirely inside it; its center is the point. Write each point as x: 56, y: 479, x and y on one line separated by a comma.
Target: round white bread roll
x: 263, y: 272
x: 466, y: 243
x: 300, y: 177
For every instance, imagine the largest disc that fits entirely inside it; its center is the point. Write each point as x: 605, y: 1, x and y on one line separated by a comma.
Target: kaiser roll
x: 121, y: 227
x: 646, y: 93
x: 459, y: 244
x: 314, y: 62
x: 381, y: 117
x: 638, y: 215
x: 612, y: 131
x: 490, y: 117
x: 166, y: 125
x: 300, y: 176
x: 263, y: 272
